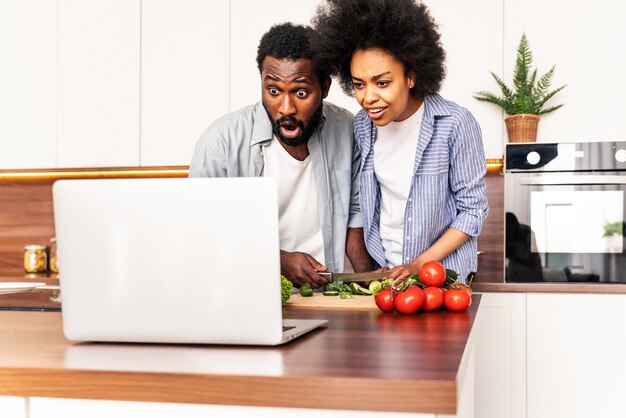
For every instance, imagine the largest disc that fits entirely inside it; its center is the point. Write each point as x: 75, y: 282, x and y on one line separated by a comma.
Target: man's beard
x: 306, y: 127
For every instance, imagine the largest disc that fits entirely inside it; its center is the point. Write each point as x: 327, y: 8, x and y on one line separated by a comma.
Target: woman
x: 422, y: 159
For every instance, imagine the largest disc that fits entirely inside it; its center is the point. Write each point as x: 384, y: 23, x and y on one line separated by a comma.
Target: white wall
x: 135, y: 82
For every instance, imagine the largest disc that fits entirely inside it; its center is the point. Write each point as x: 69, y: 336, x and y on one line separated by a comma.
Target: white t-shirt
x: 394, y: 157
x: 299, y: 224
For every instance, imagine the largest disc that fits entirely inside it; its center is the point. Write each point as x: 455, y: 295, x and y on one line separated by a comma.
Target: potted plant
x: 613, y: 236
x: 526, y: 100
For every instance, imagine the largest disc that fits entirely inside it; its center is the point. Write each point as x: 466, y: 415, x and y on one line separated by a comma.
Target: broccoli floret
x: 285, y: 289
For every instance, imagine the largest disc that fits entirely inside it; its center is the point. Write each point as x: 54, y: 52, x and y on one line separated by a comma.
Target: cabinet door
x: 98, y: 83
x: 501, y: 356
x: 576, y: 345
x: 27, y: 83
x: 13, y: 407
x: 184, y: 75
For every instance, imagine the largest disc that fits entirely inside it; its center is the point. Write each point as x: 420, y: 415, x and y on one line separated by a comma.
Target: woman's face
x: 382, y: 87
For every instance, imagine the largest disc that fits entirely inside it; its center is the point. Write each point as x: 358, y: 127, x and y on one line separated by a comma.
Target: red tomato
x: 434, y: 298
x: 457, y: 300
x: 410, y: 301
x: 383, y: 300
x: 432, y: 273
x: 464, y: 287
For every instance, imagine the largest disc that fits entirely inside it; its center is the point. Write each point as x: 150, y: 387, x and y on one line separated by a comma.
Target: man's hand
x: 301, y: 268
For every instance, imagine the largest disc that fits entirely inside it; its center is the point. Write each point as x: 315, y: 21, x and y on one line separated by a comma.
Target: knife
x: 353, y: 277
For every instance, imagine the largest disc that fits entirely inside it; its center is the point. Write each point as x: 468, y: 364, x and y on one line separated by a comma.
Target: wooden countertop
x: 363, y: 360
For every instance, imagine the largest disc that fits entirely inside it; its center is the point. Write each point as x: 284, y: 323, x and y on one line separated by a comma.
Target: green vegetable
x: 339, y: 287
x: 305, y: 290
x: 330, y: 293
x: 285, y: 289
x: 357, y: 289
x: 345, y: 295
x: 375, y: 286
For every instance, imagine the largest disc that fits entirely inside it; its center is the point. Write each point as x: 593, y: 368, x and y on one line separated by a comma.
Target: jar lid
x: 34, y: 247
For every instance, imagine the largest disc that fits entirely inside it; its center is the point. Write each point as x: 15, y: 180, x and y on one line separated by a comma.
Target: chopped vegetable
x: 306, y: 290
x: 285, y: 289
x: 345, y: 295
x: 330, y: 293
x: 357, y: 289
x: 375, y: 286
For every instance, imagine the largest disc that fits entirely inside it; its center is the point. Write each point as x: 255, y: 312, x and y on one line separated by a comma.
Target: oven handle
x: 559, y: 180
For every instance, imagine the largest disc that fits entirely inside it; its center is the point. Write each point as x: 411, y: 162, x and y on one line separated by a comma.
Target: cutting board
x: 335, y: 302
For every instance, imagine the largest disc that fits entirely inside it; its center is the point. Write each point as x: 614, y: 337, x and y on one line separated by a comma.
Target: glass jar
x: 35, y: 258
x: 54, y: 259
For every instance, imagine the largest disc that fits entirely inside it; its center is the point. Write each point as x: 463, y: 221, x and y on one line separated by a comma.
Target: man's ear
x: 326, y: 87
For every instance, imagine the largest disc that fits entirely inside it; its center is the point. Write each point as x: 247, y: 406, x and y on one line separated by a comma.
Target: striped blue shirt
x: 447, y: 189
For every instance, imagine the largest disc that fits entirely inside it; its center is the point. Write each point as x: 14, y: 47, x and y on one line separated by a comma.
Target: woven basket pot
x: 522, y: 127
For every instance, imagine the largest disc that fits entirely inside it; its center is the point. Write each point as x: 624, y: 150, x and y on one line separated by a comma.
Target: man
x: 303, y: 143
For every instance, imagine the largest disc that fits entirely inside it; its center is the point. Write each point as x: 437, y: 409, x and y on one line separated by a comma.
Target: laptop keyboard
x: 287, y: 328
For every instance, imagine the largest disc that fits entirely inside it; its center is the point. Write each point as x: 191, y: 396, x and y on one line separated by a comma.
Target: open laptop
x: 171, y: 261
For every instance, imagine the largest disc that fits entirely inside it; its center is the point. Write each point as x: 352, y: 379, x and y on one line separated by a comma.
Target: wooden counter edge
x: 361, y: 394
x: 494, y: 165
x: 568, y: 287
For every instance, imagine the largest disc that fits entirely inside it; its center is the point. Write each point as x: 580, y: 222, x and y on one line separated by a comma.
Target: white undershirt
x: 394, y: 157
x: 299, y: 224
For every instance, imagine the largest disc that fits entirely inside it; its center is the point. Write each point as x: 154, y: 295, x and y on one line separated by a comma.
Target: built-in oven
x: 564, y: 212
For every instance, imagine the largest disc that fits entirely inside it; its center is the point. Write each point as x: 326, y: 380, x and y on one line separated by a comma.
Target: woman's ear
x: 412, y: 77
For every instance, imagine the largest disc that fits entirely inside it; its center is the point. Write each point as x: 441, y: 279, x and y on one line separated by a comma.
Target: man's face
x: 292, y: 96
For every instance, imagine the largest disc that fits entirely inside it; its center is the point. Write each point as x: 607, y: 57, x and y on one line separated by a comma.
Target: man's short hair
x: 290, y: 42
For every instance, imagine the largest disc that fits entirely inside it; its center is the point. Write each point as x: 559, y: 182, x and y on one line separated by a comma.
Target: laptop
x: 171, y: 260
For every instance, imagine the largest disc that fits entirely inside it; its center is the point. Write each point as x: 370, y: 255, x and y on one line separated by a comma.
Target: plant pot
x: 522, y: 127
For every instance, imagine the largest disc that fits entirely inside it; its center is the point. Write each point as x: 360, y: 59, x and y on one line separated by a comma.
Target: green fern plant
x: 530, y: 93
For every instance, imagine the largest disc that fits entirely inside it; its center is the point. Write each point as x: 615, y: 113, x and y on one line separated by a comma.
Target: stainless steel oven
x: 565, y: 211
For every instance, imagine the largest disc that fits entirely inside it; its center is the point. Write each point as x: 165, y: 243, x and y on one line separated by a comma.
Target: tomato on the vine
x: 433, y: 298
x: 410, y: 301
x: 384, y: 301
x: 432, y: 273
x: 457, y: 300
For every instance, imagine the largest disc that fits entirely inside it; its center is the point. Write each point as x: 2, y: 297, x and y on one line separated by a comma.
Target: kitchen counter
x: 363, y: 360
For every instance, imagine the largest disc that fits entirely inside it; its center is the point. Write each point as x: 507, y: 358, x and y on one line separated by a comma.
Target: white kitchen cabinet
x: 184, y: 75
x: 501, y: 356
x: 575, y: 348
x: 98, y: 106
x: 27, y: 83
x: 13, y: 407
x: 81, y: 408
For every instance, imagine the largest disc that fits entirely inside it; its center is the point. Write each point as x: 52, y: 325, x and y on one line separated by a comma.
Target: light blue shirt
x: 233, y: 147
x: 447, y: 188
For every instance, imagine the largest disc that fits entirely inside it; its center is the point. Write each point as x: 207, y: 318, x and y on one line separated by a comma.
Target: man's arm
x: 301, y: 268
x: 356, y: 251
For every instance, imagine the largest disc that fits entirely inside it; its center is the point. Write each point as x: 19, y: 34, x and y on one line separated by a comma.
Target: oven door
x: 565, y: 227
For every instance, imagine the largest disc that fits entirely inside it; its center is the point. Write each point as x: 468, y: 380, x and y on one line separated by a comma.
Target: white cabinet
x: 576, y: 345
x: 81, y: 408
x: 501, y: 356
x: 27, y: 83
x: 184, y: 75
x: 13, y: 407
x: 98, y: 83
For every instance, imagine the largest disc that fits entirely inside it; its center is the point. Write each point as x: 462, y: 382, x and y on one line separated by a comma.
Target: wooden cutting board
x: 320, y: 301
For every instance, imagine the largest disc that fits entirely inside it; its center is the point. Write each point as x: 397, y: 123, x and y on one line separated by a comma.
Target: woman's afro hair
x: 402, y: 27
